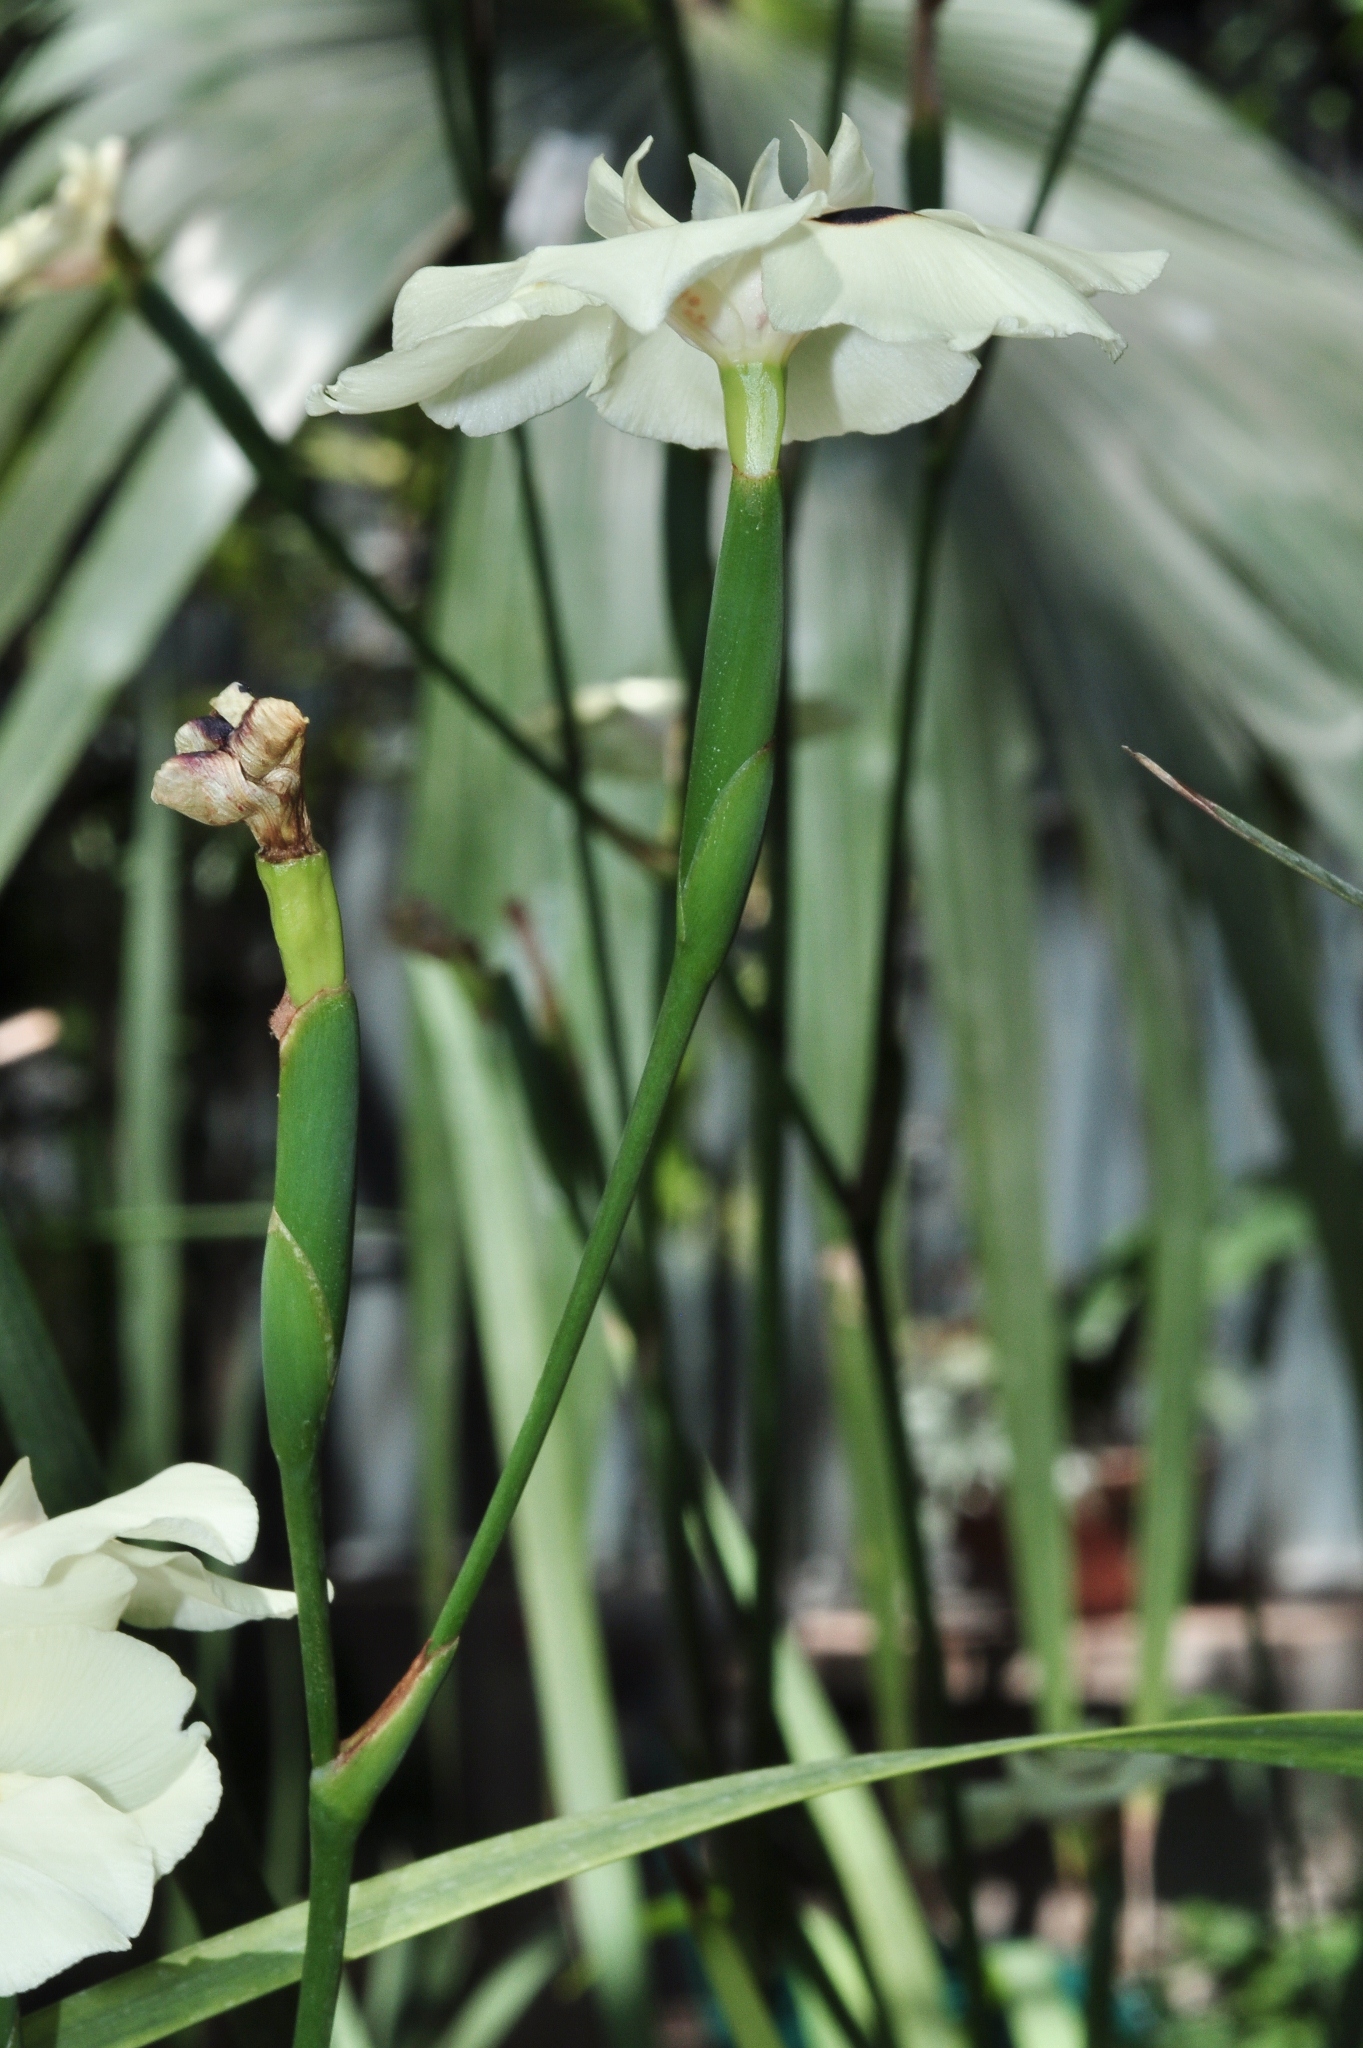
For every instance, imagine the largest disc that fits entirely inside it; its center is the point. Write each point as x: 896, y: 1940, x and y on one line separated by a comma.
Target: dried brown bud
x: 243, y: 762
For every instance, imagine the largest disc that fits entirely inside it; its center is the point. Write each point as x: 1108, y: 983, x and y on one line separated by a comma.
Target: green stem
x: 556, y: 648
x: 769, y: 1333
x: 681, y: 1006
x: 839, y: 65
x: 1110, y: 20
x: 722, y: 829
x: 307, y: 1556
x: 276, y: 470
x: 331, y: 1856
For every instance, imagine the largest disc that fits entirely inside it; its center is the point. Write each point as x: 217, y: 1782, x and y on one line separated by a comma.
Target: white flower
x: 102, y: 1790
x: 875, y: 312
x: 61, y: 245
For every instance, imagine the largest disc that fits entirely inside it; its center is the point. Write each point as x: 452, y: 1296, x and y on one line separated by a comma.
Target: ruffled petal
x: 199, y: 1505
x: 76, y: 1879
x: 90, y: 1590
x: 542, y: 365
x: 909, y: 278
x: 840, y: 381
x: 716, y: 195
x: 661, y: 387
x: 101, y: 1707
x: 173, y: 1589
x: 765, y: 189
x: 1085, y: 270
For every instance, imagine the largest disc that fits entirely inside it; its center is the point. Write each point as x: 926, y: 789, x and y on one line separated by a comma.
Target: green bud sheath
x: 305, y: 1284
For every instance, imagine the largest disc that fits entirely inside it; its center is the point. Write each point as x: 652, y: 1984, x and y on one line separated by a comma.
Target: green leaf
x: 1310, y: 870
x: 973, y: 836
x: 213, y: 1976
x: 506, y: 1994
x: 520, y: 1251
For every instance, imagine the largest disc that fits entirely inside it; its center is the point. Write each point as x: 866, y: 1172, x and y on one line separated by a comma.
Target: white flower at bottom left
x: 102, y: 1788
x: 102, y: 1791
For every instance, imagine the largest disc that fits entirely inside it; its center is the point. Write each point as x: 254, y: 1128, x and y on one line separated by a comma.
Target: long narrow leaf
x: 973, y: 837
x: 213, y: 1976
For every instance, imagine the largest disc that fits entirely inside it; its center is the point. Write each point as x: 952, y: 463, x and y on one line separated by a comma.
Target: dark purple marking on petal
x: 856, y: 216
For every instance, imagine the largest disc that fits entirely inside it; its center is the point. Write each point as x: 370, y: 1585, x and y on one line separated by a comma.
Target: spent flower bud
x: 64, y: 245
x: 243, y: 762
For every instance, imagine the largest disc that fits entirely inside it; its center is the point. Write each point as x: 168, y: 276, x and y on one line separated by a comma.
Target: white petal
x: 194, y: 1504
x: 666, y: 390
x: 639, y: 276
x: 173, y: 1589
x: 76, y: 1879
x: 543, y: 365
x: 716, y: 195
x: 852, y: 182
x: 909, y: 278
x: 605, y: 206
x: 101, y: 1707
x: 409, y: 375
x: 640, y: 205
x: 839, y: 381
x: 20, y: 1507
x: 172, y: 1822
x: 818, y: 176
x: 764, y: 186
x: 1086, y: 270
x: 91, y: 1590
x: 444, y: 298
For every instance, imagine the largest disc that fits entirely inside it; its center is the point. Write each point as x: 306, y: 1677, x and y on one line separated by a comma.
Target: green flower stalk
x: 245, y: 762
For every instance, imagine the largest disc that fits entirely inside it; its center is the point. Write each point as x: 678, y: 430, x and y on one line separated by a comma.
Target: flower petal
x: 845, y: 175
x: 840, y: 381
x: 907, y: 277
x: 90, y: 1590
x: 640, y: 205
x: 20, y: 1507
x: 76, y: 1879
x: 661, y: 387
x: 102, y: 1707
x: 408, y: 375
x: 543, y: 365
x: 198, y: 1505
x: 765, y: 189
x: 173, y: 1589
x: 173, y: 1821
x: 716, y: 194
x: 605, y: 202
x: 1086, y: 270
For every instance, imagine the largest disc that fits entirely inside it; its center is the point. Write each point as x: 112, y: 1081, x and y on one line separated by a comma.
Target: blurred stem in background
x: 146, y: 1129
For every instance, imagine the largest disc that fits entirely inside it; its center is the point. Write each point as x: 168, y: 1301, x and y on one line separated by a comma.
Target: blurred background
x: 1119, y: 1241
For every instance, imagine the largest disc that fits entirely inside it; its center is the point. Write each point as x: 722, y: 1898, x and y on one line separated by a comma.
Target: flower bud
x: 243, y: 762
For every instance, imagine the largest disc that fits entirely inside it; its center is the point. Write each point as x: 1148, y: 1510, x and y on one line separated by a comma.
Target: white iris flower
x: 102, y: 1789
x: 61, y: 245
x: 875, y: 313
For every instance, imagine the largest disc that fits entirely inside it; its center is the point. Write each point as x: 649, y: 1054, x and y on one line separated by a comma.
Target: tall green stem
x: 556, y: 648
x: 726, y: 807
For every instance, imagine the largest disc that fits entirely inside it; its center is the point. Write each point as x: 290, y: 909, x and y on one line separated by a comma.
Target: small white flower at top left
x: 102, y: 1787
x: 64, y: 244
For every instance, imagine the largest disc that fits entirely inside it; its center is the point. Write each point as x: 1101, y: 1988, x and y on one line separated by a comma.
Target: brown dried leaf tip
x: 244, y: 762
